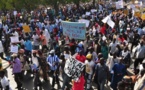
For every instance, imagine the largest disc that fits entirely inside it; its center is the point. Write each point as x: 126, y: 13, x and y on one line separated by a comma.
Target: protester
x: 4, y: 81
x: 102, y: 73
x: 89, y: 70
x: 53, y: 62
x: 17, y: 69
x: 119, y: 71
x: 110, y: 34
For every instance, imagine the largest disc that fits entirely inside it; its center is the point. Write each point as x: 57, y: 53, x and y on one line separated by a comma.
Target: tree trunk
x: 94, y: 1
x: 56, y: 7
x: 77, y: 2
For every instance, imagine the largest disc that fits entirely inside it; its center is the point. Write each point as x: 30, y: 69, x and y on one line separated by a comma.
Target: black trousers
x: 37, y: 81
x: 17, y: 78
x: 55, y: 78
x: 137, y: 61
x: 2, y: 55
x: 44, y: 47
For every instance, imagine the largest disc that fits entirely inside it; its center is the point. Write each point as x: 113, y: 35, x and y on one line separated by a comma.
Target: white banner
x: 88, y: 13
x: 15, y: 13
x: 105, y: 19
x: 73, y: 68
x: 14, y: 39
x: 110, y: 23
x: 87, y: 22
x: 119, y: 5
x: 14, y: 49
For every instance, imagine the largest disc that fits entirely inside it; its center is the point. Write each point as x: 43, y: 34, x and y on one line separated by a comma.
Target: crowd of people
x: 106, y: 52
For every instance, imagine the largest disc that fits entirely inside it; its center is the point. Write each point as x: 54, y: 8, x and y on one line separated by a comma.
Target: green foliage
x: 32, y: 4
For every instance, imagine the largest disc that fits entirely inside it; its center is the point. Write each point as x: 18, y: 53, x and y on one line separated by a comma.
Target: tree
x: 77, y: 2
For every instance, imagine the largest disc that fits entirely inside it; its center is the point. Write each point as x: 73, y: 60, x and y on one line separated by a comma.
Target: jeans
x: 55, y: 78
x: 101, y: 84
x: 66, y: 80
x: 88, y: 81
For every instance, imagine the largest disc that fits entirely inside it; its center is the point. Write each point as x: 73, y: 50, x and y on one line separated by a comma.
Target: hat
x: 14, y: 55
x: 89, y: 56
x: 52, y: 51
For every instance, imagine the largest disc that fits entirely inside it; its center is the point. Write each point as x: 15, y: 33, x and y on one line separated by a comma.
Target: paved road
x: 28, y: 82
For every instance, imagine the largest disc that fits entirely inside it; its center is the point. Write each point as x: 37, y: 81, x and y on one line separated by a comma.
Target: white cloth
x: 67, y: 56
x: 46, y: 34
x: 1, y: 47
x: 139, y: 85
x: 35, y: 61
x: 5, y: 83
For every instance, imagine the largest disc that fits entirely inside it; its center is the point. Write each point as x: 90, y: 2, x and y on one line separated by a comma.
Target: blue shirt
x: 28, y: 45
x: 53, y: 60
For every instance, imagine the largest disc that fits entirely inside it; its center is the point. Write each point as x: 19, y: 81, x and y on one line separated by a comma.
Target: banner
x: 143, y: 16
x: 93, y: 10
x: 87, y: 22
x: 26, y: 28
x: 14, y: 13
x: 74, y: 30
x: 14, y: 49
x: 14, y: 39
x: 105, y: 19
x: 126, y: 12
x: 137, y: 14
x: 110, y: 23
x: 88, y: 13
x: 119, y: 4
x: 73, y: 68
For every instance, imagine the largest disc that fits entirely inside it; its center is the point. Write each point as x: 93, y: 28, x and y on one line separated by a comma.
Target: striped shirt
x: 51, y: 60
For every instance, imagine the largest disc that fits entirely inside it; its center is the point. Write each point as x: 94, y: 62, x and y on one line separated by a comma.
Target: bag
x: 88, y: 69
x: 26, y: 66
x: 40, y: 72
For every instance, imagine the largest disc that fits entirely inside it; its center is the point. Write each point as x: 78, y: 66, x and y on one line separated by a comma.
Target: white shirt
x: 35, y: 41
x: 111, y: 61
x: 90, y: 65
x: 46, y: 34
x: 140, y: 51
x: 5, y: 82
x: 113, y: 47
x: 16, y: 34
x: 35, y: 61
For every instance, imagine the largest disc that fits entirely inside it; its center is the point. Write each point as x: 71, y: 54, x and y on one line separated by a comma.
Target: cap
x: 89, y: 56
x: 52, y: 51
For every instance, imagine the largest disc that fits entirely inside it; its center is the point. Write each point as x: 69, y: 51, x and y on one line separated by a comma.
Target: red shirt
x: 103, y: 30
x: 121, y: 39
x: 79, y: 85
x: 81, y: 58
